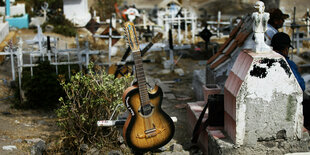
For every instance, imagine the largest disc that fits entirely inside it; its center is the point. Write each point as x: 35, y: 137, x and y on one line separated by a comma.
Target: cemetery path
x: 20, y: 129
x: 178, y: 92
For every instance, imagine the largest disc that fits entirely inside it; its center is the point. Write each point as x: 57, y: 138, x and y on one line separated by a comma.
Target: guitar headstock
x: 132, y: 39
x: 158, y: 36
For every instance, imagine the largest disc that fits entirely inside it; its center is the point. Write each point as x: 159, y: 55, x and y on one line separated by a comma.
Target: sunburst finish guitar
x: 147, y: 127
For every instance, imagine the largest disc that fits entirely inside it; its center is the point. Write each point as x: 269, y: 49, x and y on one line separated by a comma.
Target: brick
x: 239, y: 61
x: 210, y: 90
x: 228, y: 80
x: 245, y: 67
x: 230, y: 104
x: 237, y: 87
x: 230, y: 127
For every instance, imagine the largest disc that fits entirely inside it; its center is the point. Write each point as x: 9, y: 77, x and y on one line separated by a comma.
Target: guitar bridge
x: 150, y: 133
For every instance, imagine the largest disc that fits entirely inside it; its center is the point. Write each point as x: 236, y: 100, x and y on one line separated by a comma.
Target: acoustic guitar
x: 147, y: 127
x: 121, y: 70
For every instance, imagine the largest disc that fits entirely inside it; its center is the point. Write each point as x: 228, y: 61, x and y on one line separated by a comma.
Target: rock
x: 176, y: 147
x: 34, y: 140
x: 115, y: 152
x: 162, y: 149
x: 41, y: 122
x: 281, y: 134
x: 93, y: 151
x: 175, y: 153
x: 18, y: 141
x: 123, y: 146
x: 39, y: 148
x: 49, y: 28
x: 164, y: 71
x: 179, y: 71
x: 9, y: 148
x: 28, y: 125
x: 84, y: 147
x: 120, y: 139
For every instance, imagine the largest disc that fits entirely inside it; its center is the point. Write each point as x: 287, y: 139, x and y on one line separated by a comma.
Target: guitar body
x: 135, y: 133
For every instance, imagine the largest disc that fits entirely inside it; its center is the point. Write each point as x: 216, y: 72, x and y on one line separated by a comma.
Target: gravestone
x: 77, y: 11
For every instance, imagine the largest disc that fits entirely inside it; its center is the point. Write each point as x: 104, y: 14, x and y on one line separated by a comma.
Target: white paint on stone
x: 77, y: 11
x: 240, y: 119
x: 4, y: 30
x: 268, y: 84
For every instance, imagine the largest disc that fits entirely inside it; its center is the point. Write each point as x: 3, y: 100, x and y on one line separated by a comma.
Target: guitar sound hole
x: 146, y: 109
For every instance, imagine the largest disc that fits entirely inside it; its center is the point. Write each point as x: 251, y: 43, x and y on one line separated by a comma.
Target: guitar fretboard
x: 141, y: 78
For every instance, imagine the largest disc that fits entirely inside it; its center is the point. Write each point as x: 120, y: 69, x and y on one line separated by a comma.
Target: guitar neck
x: 141, y: 78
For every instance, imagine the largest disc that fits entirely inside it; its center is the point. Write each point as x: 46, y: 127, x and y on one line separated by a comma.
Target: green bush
x: 89, y: 98
x: 42, y: 90
x: 61, y: 25
x: 65, y: 30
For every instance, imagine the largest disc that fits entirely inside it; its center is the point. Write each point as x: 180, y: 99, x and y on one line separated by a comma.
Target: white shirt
x: 270, y: 32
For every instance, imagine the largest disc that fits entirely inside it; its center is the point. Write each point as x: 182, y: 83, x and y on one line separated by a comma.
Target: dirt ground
x: 19, y: 127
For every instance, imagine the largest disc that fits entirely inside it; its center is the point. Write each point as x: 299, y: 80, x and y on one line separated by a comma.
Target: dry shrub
x: 90, y: 97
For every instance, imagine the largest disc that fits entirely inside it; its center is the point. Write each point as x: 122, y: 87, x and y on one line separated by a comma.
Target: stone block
x: 262, y: 97
x: 199, y: 77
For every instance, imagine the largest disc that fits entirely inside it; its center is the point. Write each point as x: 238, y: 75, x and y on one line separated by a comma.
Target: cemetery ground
x: 24, y: 128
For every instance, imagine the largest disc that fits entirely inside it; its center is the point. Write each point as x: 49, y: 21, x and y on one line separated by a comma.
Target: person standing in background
x: 275, y: 22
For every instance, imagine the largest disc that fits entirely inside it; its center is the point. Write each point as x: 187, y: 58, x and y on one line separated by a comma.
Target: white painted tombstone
x: 77, y: 11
